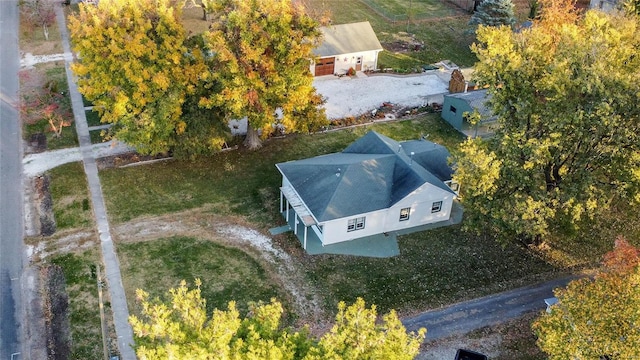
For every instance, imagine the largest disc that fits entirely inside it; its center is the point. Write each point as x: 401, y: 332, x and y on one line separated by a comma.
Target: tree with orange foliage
x: 597, y: 318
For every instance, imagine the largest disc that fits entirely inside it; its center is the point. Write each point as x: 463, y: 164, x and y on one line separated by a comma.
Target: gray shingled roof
x: 371, y: 174
x: 346, y: 39
x: 476, y: 99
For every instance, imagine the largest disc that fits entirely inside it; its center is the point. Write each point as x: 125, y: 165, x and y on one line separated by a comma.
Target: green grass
x: 68, y: 138
x: 93, y: 118
x: 96, y: 136
x: 32, y: 39
x: 71, y: 203
x: 404, y: 9
x: 239, y: 182
x: 445, y: 38
x: 79, y: 270
x: 227, y: 273
x: 434, y: 268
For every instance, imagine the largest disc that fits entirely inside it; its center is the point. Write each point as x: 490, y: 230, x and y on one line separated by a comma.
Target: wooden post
x: 103, y: 323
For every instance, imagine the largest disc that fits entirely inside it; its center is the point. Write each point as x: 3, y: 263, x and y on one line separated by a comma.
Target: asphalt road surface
x: 467, y: 316
x: 11, y: 202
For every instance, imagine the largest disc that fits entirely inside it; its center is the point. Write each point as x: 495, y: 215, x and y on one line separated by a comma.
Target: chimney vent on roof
x: 399, y: 147
x: 338, y: 172
x: 411, y: 158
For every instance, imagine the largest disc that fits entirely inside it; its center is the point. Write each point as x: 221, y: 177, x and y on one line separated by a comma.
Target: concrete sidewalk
x: 467, y: 316
x: 110, y: 259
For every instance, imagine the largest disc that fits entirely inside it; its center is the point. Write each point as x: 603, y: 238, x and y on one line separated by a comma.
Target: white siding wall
x: 377, y: 222
x: 420, y: 202
x: 335, y: 231
x: 345, y: 61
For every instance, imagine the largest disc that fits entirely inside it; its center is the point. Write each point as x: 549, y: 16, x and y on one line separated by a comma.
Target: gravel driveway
x: 348, y: 96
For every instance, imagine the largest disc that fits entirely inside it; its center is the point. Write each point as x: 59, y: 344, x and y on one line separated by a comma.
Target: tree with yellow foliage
x: 567, y: 143
x: 597, y: 318
x: 182, y: 329
x: 135, y: 69
x: 263, y: 50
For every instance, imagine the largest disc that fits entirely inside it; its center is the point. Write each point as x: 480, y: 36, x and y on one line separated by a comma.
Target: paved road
x: 11, y: 202
x: 467, y: 316
x: 112, y: 267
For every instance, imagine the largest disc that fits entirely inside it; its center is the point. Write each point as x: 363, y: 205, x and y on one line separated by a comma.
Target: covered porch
x: 301, y: 222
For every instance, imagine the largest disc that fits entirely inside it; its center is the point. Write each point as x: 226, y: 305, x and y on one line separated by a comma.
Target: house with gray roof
x: 346, y: 46
x: 455, y: 106
x: 358, y: 201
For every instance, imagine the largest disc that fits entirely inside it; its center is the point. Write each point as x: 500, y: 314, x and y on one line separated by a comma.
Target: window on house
x: 404, y: 214
x: 452, y: 109
x: 436, y: 206
x: 355, y: 224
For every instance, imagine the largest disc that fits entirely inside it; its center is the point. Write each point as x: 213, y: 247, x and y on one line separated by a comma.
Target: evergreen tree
x: 494, y: 13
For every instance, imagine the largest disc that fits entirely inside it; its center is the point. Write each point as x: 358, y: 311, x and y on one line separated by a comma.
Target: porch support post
x: 286, y: 201
x: 280, y: 201
x: 295, y: 223
x: 305, y: 238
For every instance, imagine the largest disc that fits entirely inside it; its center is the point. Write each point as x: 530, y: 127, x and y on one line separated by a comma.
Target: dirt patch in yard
x: 201, y: 224
x: 403, y: 42
x: 510, y: 340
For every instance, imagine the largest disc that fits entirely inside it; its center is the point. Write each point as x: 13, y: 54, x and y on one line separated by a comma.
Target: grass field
x: 80, y: 273
x: 444, y: 37
x: 237, y: 182
x: 435, y: 267
x: 71, y: 205
x: 34, y: 94
x: 227, y: 273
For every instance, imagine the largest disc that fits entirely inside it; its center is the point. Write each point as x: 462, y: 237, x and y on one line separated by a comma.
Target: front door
x: 359, y: 63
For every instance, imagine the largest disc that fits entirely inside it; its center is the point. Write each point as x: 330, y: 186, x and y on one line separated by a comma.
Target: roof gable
x: 346, y: 39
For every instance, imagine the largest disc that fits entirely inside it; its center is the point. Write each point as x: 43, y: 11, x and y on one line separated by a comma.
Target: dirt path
x: 200, y: 224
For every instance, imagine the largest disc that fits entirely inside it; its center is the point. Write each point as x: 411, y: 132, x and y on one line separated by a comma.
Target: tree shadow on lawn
x: 434, y: 268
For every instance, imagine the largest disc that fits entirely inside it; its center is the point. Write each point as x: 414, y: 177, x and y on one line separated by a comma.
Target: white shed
x: 346, y: 46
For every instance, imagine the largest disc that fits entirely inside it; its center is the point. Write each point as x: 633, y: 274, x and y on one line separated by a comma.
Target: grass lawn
x: 32, y: 39
x: 435, y: 267
x: 71, y: 204
x: 84, y: 314
x: 93, y: 118
x: 227, y: 273
x: 239, y: 182
x: 445, y: 38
